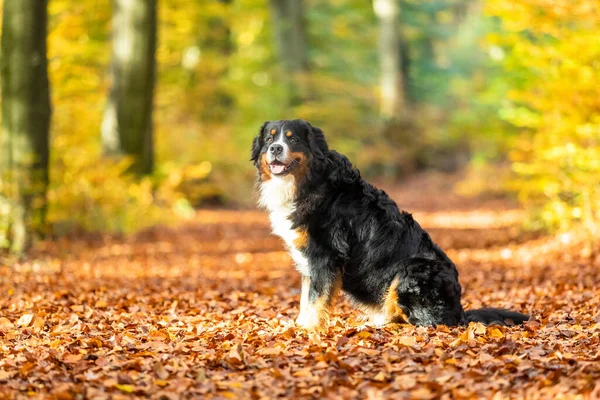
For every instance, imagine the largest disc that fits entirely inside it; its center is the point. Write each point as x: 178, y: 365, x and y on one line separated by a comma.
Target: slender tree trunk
x: 405, y: 67
x: 392, y: 88
x: 25, y: 119
x: 290, y: 39
x: 127, y: 124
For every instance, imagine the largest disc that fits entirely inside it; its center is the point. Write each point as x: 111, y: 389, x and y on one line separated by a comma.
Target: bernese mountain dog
x: 344, y: 234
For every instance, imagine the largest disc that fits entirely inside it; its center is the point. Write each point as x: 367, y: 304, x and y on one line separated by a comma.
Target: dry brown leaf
x: 369, y: 352
x: 101, y: 304
x: 380, y: 377
x: 235, y: 357
x: 270, y: 351
x: 5, y: 375
x: 5, y: 324
x: 303, y: 373
x: 188, y: 320
x: 25, y: 320
x: 408, y: 341
x: 72, y: 358
x: 422, y: 393
x: 160, y: 371
x: 39, y: 323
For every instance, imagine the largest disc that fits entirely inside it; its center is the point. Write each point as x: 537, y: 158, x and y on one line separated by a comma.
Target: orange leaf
x: 270, y: 351
x: 5, y: 324
x: 495, y: 333
x: 101, y: 304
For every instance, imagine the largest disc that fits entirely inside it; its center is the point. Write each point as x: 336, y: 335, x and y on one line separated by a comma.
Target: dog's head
x: 288, y: 147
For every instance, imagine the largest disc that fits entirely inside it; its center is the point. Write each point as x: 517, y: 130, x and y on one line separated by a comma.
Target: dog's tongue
x: 277, y: 168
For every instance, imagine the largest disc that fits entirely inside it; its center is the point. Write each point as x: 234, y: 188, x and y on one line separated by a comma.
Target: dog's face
x: 287, y: 147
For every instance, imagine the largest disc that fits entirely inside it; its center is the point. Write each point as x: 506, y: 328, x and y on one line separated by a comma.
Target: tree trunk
x: 127, y: 123
x: 25, y: 119
x: 290, y: 40
x: 392, y: 88
x: 405, y: 68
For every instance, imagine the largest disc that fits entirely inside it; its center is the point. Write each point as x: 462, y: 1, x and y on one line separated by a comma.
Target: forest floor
x: 206, y: 310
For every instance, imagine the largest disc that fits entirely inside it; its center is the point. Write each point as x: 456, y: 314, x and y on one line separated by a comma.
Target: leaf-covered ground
x: 206, y: 310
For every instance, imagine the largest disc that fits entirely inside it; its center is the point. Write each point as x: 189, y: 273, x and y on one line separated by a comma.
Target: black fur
x: 356, y: 231
x: 257, y: 144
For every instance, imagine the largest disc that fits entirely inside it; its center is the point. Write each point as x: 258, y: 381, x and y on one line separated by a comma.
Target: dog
x: 344, y: 234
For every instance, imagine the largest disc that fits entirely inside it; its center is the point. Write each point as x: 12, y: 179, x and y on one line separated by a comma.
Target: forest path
x: 206, y: 309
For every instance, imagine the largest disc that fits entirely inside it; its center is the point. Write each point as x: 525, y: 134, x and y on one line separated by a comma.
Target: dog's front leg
x: 318, y: 294
x: 303, y: 299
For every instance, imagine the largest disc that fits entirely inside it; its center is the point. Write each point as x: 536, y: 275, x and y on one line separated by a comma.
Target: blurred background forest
x: 505, y: 91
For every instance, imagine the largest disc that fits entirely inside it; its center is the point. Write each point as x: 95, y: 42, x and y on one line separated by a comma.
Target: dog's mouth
x: 281, y: 168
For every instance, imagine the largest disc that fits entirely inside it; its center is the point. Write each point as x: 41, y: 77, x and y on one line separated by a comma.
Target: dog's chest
x: 276, y: 195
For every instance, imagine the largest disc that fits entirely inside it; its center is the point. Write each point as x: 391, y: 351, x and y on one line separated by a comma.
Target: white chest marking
x: 277, y: 197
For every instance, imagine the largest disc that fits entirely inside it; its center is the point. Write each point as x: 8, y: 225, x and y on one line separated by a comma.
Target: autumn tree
x: 127, y: 124
x: 390, y: 48
x: 25, y: 121
x: 556, y: 104
x: 288, y: 22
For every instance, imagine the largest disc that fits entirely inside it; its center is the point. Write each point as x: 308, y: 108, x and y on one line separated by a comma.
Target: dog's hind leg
x: 386, y: 310
x: 430, y: 293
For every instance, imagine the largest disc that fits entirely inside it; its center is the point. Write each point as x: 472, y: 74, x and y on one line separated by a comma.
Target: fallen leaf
x: 101, y: 304
x: 39, y: 323
x: 25, y: 320
x: 236, y: 357
x: 5, y: 324
x: 495, y: 333
x: 168, y: 313
x: 72, y: 358
x: 160, y: 371
x: 380, y: 377
x: 125, y: 388
x: 5, y: 375
x: 422, y: 394
x: 407, y: 341
x: 270, y: 351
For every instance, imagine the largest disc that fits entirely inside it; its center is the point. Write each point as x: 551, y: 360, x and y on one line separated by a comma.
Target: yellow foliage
x: 88, y: 191
x: 554, y: 43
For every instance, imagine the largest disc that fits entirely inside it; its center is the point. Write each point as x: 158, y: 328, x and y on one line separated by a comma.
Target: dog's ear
x: 317, y: 142
x: 258, y: 143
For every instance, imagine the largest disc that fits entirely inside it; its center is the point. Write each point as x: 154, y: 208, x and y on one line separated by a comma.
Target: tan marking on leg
x: 391, y: 307
x: 301, y: 240
x: 387, y: 311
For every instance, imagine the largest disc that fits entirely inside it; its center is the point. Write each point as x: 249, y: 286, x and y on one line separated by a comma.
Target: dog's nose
x: 276, y: 149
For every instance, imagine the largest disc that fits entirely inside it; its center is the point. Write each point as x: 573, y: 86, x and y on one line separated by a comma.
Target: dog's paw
x: 378, y: 320
x: 309, y: 321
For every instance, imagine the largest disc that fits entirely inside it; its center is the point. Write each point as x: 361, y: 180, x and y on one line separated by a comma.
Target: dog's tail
x: 498, y: 316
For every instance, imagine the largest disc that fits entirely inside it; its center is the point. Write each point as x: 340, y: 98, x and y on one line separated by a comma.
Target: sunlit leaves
x: 206, y: 310
x: 555, y: 44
